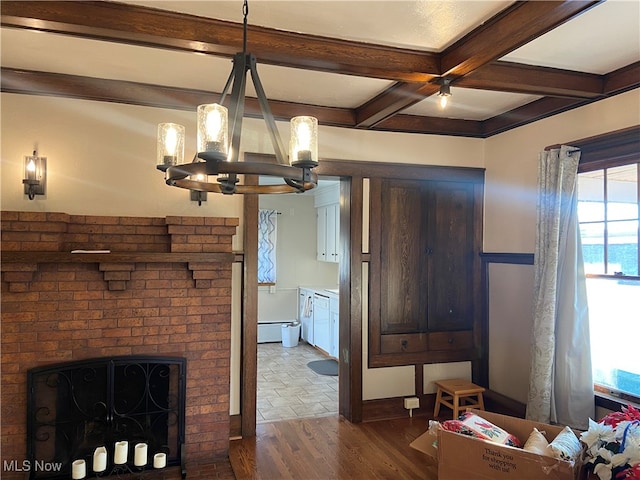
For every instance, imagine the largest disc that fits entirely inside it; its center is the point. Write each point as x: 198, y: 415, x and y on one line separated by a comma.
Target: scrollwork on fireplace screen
x: 75, y: 407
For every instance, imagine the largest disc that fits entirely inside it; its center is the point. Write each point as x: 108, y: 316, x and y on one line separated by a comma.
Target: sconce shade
x: 35, y: 175
x: 303, y: 145
x: 170, y: 145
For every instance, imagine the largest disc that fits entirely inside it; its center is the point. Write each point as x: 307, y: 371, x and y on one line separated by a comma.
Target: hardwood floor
x: 330, y: 448
x: 326, y: 448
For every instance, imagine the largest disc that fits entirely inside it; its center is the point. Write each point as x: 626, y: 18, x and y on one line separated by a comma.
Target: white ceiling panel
x: 30, y: 50
x: 417, y: 24
x: 601, y: 40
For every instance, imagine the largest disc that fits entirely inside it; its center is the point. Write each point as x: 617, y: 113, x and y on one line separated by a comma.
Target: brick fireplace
x: 164, y: 289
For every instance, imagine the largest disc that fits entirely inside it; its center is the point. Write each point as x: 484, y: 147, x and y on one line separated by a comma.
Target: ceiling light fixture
x: 445, y: 92
x: 216, y: 158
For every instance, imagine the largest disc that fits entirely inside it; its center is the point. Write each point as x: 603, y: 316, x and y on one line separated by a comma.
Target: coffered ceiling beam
x: 398, y: 97
x: 130, y: 24
x: 623, y: 79
x: 431, y: 125
x: 510, y: 29
x: 135, y: 25
x: 536, y: 110
x: 533, y: 80
x: 132, y: 93
x: 87, y: 88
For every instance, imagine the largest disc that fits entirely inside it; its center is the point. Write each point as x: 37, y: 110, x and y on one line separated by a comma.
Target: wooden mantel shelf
x: 116, y: 257
x: 18, y: 268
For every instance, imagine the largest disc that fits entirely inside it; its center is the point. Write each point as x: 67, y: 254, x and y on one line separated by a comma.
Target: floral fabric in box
x: 475, y: 426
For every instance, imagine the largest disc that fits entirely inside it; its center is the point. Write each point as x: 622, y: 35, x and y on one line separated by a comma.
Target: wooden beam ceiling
x: 472, y: 62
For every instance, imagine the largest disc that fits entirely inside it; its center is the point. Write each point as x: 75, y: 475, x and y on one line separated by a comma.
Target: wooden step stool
x: 458, y: 393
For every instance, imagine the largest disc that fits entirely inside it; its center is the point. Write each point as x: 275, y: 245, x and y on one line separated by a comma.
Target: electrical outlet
x: 411, y: 403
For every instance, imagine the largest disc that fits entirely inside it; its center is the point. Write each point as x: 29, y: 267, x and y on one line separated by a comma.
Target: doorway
x: 298, y: 269
x: 350, y: 287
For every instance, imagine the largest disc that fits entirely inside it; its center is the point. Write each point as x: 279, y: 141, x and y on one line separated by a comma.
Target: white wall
x: 101, y: 161
x: 296, y: 263
x: 511, y: 161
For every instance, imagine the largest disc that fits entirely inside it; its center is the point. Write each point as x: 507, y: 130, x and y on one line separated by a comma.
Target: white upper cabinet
x: 327, y: 203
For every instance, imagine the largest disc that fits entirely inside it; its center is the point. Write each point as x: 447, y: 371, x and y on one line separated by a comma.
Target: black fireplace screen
x: 75, y: 407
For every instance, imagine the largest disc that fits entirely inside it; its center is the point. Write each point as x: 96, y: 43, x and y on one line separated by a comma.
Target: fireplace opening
x: 74, y: 408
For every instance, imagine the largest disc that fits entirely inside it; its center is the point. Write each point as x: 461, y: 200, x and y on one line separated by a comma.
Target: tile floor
x: 288, y: 389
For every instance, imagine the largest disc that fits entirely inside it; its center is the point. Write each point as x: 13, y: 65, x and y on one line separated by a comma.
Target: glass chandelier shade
x: 170, y: 146
x: 303, y: 146
x: 213, y: 127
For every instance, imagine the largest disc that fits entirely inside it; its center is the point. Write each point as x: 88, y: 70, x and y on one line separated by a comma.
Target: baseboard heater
x: 271, y: 330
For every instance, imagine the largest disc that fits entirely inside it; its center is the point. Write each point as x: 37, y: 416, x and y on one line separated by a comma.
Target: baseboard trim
x: 235, y: 426
x: 498, y: 403
x: 389, y: 408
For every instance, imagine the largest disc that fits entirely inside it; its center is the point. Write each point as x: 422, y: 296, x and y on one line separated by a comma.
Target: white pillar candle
x: 160, y: 460
x: 100, y: 459
x: 78, y: 469
x: 140, y: 455
x: 120, y: 454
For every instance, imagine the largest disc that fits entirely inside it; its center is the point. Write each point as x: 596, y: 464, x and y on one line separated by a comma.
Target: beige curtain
x: 560, y: 382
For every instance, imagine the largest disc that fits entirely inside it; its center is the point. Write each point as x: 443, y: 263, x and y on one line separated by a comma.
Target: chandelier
x: 215, y: 167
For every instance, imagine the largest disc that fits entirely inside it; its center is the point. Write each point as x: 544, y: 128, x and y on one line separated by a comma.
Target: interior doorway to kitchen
x: 352, y: 193
x: 298, y: 318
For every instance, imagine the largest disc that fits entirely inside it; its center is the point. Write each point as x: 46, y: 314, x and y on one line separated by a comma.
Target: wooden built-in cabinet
x: 425, y: 237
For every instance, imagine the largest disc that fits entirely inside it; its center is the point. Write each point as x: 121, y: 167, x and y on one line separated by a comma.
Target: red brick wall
x: 56, y: 312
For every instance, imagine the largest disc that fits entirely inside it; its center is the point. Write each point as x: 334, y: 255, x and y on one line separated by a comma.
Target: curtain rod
x: 551, y: 147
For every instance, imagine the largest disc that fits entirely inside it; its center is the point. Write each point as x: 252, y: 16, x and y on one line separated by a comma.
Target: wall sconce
x: 198, y: 195
x: 35, y: 175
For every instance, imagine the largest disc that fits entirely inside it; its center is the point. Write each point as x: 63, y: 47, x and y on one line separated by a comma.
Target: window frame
x: 607, y: 222
x: 614, y: 149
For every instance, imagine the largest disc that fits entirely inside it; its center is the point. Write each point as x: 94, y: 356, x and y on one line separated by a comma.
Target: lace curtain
x: 560, y: 383
x: 267, y: 236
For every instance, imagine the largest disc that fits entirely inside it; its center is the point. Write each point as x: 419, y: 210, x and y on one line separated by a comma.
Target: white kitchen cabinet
x: 327, y: 203
x: 334, y: 315
x: 328, y: 241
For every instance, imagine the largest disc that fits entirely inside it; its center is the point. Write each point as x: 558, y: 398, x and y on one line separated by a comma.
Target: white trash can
x: 290, y: 334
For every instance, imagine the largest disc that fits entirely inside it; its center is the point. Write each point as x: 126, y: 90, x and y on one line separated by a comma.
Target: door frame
x: 350, y: 284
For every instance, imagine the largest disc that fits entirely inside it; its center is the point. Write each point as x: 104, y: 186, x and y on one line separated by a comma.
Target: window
x: 267, y: 235
x: 609, y: 213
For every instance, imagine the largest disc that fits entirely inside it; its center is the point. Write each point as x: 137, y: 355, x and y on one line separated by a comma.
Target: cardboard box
x: 461, y: 457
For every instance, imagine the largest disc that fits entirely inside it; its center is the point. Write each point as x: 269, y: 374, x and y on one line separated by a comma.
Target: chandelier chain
x: 245, y: 13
